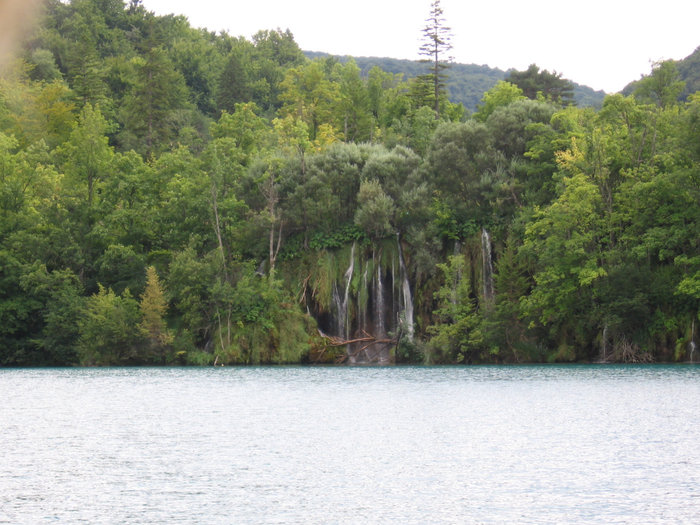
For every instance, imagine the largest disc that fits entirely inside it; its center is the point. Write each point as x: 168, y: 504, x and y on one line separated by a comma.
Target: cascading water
x: 340, y: 304
x: 363, y: 307
x: 691, y: 345
x: 340, y: 313
x: 348, y: 279
x: 370, y: 305
x: 380, y: 330
x: 604, y: 345
x: 407, y: 313
x: 395, y: 307
x: 487, y: 265
x: 692, y: 350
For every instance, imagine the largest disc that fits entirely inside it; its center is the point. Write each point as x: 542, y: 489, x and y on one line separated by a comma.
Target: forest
x: 466, y: 83
x: 172, y: 196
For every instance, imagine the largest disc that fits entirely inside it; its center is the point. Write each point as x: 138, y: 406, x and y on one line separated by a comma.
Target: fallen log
x: 363, y: 338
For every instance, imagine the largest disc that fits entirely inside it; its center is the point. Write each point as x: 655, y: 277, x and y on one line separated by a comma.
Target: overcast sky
x: 600, y: 43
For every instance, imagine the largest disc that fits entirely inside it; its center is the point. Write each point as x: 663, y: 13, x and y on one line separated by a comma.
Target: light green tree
x: 153, y: 307
x: 309, y: 95
x: 500, y: 95
x: 87, y: 152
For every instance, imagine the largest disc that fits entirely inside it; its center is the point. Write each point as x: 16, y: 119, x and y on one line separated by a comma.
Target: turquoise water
x: 532, y: 444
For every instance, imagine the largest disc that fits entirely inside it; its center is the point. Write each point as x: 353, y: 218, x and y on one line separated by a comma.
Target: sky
x: 604, y: 44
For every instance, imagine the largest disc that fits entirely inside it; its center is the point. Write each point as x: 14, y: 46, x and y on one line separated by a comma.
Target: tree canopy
x: 173, y: 196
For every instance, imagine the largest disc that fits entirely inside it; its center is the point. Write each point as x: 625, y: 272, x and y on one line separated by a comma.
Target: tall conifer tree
x: 437, y: 41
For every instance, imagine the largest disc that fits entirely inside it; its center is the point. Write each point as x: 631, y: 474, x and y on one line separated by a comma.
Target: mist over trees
x: 173, y: 196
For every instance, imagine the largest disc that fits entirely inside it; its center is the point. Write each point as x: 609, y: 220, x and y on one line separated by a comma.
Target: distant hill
x: 466, y: 83
x: 688, y: 70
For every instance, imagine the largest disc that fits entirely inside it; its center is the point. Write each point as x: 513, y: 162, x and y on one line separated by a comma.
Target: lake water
x: 531, y: 444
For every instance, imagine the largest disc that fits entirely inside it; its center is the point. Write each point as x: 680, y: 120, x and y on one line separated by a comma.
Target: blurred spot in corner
x: 16, y: 20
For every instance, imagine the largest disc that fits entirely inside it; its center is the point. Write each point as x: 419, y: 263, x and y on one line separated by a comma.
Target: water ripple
x: 523, y: 444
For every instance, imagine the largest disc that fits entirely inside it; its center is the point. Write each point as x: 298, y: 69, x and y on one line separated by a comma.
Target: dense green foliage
x: 466, y: 83
x: 168, y: 195
x: 688, y: 72
x: 535, y: 83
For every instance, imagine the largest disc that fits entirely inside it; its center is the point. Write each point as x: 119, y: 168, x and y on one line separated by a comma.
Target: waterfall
x: 691, y: 345
x: 406, y: 294
x: 341, y: 303
x: 394, y: 296
x: 340, y: 313
x: 379, y: 302
x: 604, y: 344
x: 692, y: 350
x: 348, y: 279
x: 487, y: 266
x: 363, y: 307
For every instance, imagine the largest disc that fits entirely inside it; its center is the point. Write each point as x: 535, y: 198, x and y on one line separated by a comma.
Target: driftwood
x: 366, y: 338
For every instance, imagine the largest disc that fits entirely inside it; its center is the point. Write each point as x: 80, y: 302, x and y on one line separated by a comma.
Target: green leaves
x: 549, y: 86
x: 107, y: 335
x: 502, y: 94
x: 137, y: 141
x: 375, y: 210
x: 456, y: 335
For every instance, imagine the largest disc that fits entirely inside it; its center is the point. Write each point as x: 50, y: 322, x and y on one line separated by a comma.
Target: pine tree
x: 436, y: 42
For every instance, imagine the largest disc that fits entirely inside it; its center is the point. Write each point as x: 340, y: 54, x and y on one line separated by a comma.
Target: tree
x: 308, y: 94
x: 195, y: 55
x: 354, y: 115
x: 436, y: 42
x: 551, y: 86
x: 512, y: 178
x: 149, y: 113
x: 563, y: 239
x: 456, y: 336
x: 375, y: 211
x: 502, y: 94
x: 59, y: 293
x: 34, y: 111
x: 662, y: 87
x: 107, y: 335
x: 459, y: 156
x: 235, y: 82
x: 275, y: 52
x: 504, y: 329
x: 88, y: 152
x: 153, y: 308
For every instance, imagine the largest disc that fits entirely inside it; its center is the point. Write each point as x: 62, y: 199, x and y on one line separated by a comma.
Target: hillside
x: 173, y: 196
x: 467, y: 82
x: 688, y: 71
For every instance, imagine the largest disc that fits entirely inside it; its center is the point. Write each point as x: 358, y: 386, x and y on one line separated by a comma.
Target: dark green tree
x: 536, y: 83
x: 235, y: 83
x: 150, y: 113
